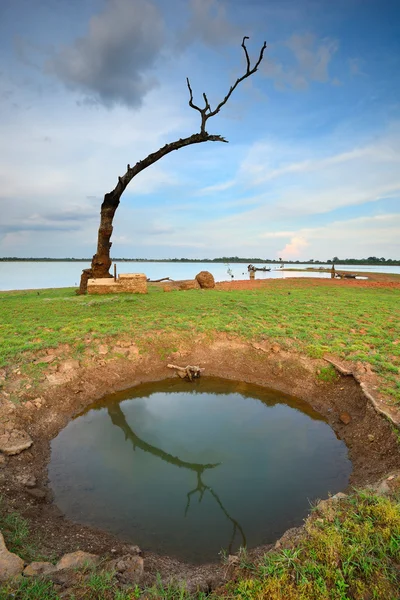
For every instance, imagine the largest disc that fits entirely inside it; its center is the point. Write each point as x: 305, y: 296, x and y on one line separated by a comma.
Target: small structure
x: 133, y: 283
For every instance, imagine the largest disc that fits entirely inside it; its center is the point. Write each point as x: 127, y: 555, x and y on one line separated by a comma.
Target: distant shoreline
x: 348, y: 262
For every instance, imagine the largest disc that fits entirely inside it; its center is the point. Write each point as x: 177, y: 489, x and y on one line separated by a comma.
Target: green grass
x: 18, y: 537
x: 327, y: 374
x: 350, y: 553
x: 361, y: 324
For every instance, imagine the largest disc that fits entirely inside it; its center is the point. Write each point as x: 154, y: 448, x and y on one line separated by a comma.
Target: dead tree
x: 101, y: 261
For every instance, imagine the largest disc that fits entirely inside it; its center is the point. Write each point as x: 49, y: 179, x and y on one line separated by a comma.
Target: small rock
x: 339, y: 496
x: 135, y: 550
x: 69, y: 365
x: 28, y: 405
x: 390, y: 478
x: 103, y: 349
x: 10, y: 564
x: 131, y: 568
x: 77, y: 560
x: 383, y: 488
x: 275, y: 348
x: 15, y: 442
x: 345, y: 418
x: 46, y: 359
x: 36, y: 493
x: 39, y: 568
x: 371, y: 437
x: 26, y: 480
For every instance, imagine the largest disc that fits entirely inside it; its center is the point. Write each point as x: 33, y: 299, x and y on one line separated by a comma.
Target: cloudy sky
x: 312, y: 168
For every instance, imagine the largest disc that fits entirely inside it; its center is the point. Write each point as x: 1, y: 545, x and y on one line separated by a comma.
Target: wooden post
x: 115, y: 272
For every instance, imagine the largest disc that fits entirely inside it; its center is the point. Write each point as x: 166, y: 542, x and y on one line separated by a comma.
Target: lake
x: 37, y: 275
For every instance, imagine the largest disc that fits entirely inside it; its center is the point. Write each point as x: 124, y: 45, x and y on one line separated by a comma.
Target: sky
x: 312, y: 167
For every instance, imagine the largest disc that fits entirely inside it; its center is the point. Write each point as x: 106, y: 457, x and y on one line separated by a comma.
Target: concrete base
x: 133, y: 283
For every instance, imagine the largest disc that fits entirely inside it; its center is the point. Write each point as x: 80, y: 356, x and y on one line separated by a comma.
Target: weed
x: 327, y: 374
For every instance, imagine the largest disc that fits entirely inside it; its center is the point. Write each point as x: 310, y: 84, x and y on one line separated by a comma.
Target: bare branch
x: 207, y: 112
x: 249, y: 71
x: 246, y: 37
x: 191, y: 104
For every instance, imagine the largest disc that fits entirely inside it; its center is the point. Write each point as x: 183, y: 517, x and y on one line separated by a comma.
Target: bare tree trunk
x: 101, y: 261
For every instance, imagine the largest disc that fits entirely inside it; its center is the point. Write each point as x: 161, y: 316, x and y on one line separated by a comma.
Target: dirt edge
x: 373, y: 447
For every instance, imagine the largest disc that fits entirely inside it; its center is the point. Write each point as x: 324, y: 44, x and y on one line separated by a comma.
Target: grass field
x: 351, y: 552
x: 358, y: 324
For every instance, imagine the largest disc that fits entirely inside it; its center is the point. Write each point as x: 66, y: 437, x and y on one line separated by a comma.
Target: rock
x: 15, y: 442
x: 37, y: 493
x: 130, y: 567
x: 10, y: 564
x: 290, y: 538
x: 103, y: 349
x: 39, y: 568
x: 275, y: 348
x: 345, y: 418
x: 46, y: 359
x: 77, y: 560
x: 135, y: 550
x: 326, y: 509
x: 371, y: 437
x: 338, y: 496
x: 28, y: 405
x: 68, y: 366
x: 66, y: 578
x: 383, y: 488
x: 205, y: 280
x: 27, y: 480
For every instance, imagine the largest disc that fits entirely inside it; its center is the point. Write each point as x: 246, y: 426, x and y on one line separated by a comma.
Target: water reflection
x: 188, y: 469
x: 118, y: 419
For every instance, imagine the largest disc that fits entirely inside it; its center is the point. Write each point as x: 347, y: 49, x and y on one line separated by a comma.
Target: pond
x: 193, y: 469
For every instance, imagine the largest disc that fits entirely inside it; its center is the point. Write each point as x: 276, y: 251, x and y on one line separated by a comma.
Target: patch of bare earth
x: 68, y: 387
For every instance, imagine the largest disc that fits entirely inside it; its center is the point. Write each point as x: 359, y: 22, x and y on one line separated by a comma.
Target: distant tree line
x: 371, y: 260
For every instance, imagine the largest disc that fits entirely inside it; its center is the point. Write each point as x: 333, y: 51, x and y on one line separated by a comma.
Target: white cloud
x: 209, y: 22
x: 309, y: 61
x: 353, y: 238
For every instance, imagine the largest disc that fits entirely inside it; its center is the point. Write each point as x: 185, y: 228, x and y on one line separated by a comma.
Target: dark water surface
x: 189, y: 469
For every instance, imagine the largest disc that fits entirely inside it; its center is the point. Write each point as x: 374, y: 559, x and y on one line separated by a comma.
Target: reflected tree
x: 119, y: 420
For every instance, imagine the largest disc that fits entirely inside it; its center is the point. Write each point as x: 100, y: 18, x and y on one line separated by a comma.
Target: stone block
x: 134, y: 283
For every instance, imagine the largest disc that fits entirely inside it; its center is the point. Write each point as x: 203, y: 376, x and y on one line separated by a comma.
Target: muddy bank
x: 373, y: 447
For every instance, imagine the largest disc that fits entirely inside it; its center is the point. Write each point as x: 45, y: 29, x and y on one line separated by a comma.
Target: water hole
x: 195, y: 469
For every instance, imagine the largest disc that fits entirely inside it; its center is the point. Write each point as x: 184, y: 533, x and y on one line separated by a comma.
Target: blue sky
x: 312, y: 168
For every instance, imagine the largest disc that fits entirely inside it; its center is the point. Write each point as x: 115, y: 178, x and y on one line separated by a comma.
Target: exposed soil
x: 375, y: 280
x: 373, y: 447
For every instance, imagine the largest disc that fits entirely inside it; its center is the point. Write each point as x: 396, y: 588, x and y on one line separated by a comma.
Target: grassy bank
x: 353, y: 323
x: 350, y: 550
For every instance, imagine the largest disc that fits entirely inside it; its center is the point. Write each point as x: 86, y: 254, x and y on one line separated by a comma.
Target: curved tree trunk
x: 101, y: 261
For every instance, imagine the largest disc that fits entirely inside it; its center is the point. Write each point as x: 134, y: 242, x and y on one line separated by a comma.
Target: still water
x: 190, y: 469
x: 37, y: 275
